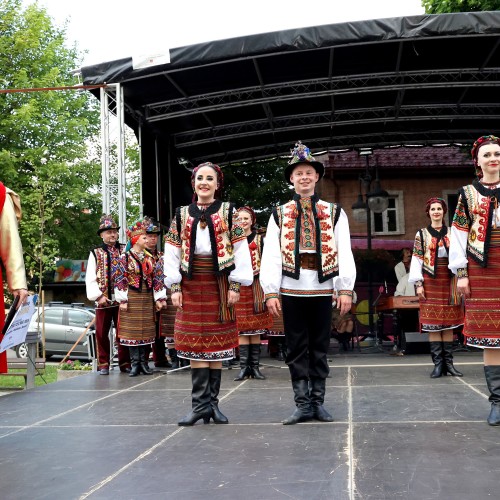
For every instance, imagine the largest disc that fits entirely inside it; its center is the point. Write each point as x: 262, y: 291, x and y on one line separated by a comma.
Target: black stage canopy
x: 428, y: 79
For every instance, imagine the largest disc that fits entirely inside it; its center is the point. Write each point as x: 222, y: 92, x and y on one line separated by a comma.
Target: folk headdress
x: 220, y: 178
x: 107, y: 223
x: 135, y: 230
x: 250, y: 211
x: 430, y: 201
x: 485, y: 139
x: 301, y: 154
x: 152, y: 227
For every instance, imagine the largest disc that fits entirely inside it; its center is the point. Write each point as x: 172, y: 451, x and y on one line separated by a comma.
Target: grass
x: 48, y: 375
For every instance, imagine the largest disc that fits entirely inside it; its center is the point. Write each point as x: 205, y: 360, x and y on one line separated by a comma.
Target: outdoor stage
x: 397, y: 434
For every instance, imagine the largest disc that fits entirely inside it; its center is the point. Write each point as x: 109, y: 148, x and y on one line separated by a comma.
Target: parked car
x: 64, y: 324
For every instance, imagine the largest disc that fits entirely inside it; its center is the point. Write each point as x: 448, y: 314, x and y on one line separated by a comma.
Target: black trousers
x: 307, y: 322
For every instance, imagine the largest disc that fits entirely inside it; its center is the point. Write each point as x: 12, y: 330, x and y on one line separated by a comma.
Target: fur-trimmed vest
x: 223, y: 235
x: 474, y: 214
x: 288, y: 219
x: 106, y: 259
x: 427, y: 243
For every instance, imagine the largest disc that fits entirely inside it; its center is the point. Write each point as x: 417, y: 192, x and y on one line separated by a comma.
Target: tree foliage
x: 443, y: 6
x: 44, y: 138
x: 260, y: 185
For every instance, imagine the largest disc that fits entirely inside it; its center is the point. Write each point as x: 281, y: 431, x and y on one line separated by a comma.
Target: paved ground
x: 397, y: 435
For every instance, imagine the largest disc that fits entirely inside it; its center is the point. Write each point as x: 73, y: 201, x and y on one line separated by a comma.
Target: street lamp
x: 377, y: 201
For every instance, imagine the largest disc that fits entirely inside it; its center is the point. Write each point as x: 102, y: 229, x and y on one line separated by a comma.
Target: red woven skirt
x: 248, y: 321
x: 482, y: 310
x: 198, y: 328
x: 436, y: 313
x: 167, y: 321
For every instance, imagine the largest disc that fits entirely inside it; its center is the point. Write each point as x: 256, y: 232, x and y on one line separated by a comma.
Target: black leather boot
x: 173, y: 357
x: 448, y: 360
x: 159, y: 354
x: 245, y: 370
x: 437, y: 359
x: 144, y: 366
x: 215, y: 379
x: 317, y: 395
x: 135, y: 361
x: 200, y: 397
x: 254, y: 360
x: 492, y: 374
x: 304, y: 412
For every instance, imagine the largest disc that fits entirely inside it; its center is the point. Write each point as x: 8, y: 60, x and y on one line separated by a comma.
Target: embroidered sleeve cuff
x: 345, y: 292
x: 234, y: 286
x: 176, y: 287
x: 462, y: 272
x: 272, y: 296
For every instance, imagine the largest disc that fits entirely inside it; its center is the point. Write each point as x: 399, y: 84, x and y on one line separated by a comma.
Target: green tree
x: 45, y: 138
x: 443, y: 6
x: 260, y: 185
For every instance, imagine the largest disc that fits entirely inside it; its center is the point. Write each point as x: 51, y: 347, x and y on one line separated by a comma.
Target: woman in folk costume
x: 252, y: 316
x: 206, y: 262
x: 440, y: 308
x: 138, y: 288
x: 475, y: 259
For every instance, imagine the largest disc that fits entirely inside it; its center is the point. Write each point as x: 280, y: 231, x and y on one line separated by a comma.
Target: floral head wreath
x: 485, y: 139
x: 249, y: 210
x: 220, y: 178
x: 136, y: 229
x: 435, y: 199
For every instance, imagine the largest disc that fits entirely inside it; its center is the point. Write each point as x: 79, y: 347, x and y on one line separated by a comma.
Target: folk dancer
x: 306, y: 257
x: 206, y: 262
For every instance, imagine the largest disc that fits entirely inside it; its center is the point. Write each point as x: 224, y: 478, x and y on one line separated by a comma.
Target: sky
x: 113, y: 29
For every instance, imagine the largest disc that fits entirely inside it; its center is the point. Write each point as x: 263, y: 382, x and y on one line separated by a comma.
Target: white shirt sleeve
x: 399, y: 270
x: 415, y: 270
x: 171, y: 265
x: 270, y: 266
x: 458, y: 249
x: 93, y: 290
x: 347, y: 268
x: 121, y: 295
x: 243, y: 271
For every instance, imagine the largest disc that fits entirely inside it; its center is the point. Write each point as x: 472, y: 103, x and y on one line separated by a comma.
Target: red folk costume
x: 11, y: 252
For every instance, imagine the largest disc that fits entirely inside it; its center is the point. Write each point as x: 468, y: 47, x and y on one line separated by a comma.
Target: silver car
x: 64, y: 324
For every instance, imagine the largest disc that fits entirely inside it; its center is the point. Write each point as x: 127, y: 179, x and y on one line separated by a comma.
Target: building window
x: 391, y: 221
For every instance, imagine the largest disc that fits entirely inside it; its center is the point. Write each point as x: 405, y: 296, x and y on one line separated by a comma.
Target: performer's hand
x: 177, y: 300
x: 463, y: 287
x: 274, y: 307
x: 344, y: 303
x: 22, y: 293
x: 160, y: 304
x: 420, y: 292
x: 232, y: 298
x: 123, y: 306
x: 102, y: 300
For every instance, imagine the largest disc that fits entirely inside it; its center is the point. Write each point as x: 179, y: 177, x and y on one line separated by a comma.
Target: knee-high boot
x: 173, y: 357
x: 215, y: 379
x: 144, y: 366
x: 135, y: 361
x: 317, y: 395
x: 304, y: 412
x: 245, y: 370
x: 200, y: 397
x: 437, y: 359
x: 448, y: 360
x: 254, y: 362
x: 492, y: 374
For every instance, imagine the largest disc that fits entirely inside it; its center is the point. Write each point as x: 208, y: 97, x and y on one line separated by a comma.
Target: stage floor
x: 397, y: 434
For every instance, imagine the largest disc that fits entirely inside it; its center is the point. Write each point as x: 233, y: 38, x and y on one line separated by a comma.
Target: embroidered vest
x: 326, y: 215
x: 256, y: 245
x: 223, y: 235
x: 132, y: 271
x: 106, y: 258
x: 426, y: 247
x: 474, y: 215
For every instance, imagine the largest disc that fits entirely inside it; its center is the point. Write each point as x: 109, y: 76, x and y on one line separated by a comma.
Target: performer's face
x: 152, y: 241
x: 205, y: 184
x: 304, y: 178
x: 488, y: 158
x: 142, y: 243
x: 245, y: 221
x: 436, y: 212
x: 110, y: 236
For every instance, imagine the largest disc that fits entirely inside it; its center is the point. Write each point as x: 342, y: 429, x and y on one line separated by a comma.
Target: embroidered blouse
x: 476, y: 213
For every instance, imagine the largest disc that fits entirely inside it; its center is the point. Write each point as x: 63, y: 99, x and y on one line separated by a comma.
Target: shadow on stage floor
x: 397, y: 434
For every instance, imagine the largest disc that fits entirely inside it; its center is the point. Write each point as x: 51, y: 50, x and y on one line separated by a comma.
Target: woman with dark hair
x: 475, y: 259
x: 252, y: 316
x: 206, y: 262
x: 440, y: 309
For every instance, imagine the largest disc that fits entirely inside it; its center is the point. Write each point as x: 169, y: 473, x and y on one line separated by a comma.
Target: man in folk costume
x: 11, y: 255
x: 100, y: 288
x: 307, y: 257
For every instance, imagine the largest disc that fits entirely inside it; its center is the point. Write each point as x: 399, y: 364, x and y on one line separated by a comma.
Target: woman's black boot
x: 245, y: 370
x: 448, y: 360
x: 134, y: 361
x: 215, y: 379
x: 144, y: 366
x: 200, y: 397
x: 254, y: 362
x: 437, y: 359
x: 173, y: 358
x: 492, y: 374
